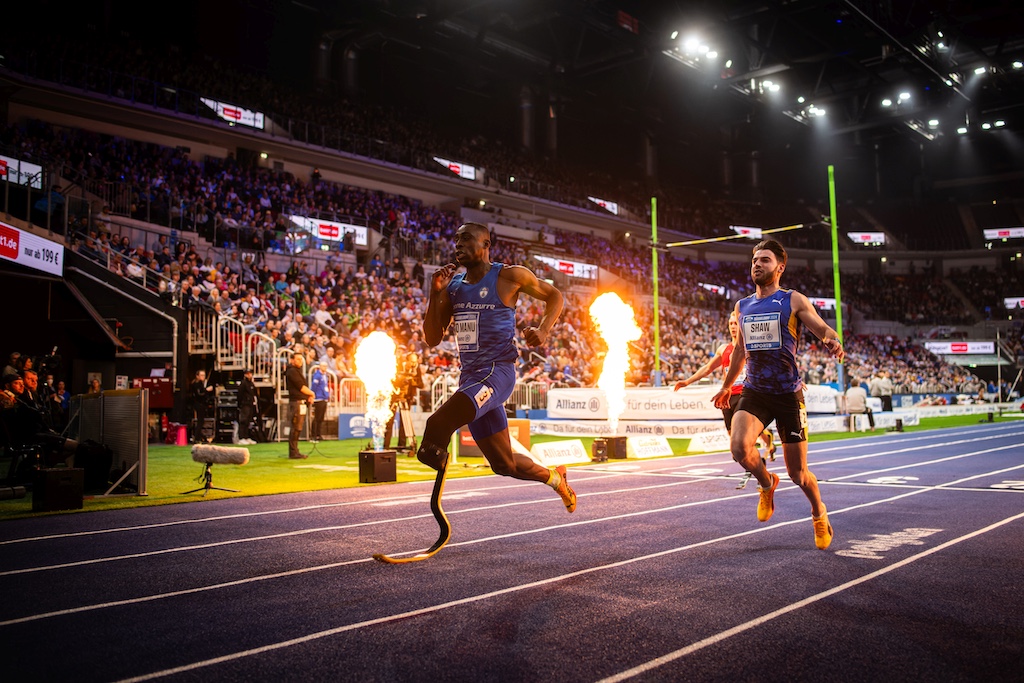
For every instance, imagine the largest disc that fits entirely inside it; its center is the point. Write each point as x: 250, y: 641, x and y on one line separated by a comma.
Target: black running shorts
x: 788, y: 411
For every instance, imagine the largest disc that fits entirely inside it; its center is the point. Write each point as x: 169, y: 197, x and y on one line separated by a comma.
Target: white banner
x: 235, y: 114
x: 961, y: 347
x: 560, y: 453
x: 30, y: 251
x: 867, y: 237
x: 662, y: 403
x: 21, y: 172
x: 610, y: 207
x: 329, y: 230
x: 752, y: 233
x: 571, y: 268
x: 647, y: 447
x: 683, y: 429
x: 1002, y: 233
x: 1012, y: 302
x: 458, y: 168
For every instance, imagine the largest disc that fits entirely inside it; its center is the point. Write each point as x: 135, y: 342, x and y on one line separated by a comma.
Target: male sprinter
x: 481, y: 302
x: 770, y: 326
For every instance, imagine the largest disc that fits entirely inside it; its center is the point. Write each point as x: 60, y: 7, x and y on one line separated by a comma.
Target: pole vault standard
x: 835, y: 267
x: 654, y: 276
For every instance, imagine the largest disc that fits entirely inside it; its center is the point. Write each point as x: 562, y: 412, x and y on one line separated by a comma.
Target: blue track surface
x: 663, y: 573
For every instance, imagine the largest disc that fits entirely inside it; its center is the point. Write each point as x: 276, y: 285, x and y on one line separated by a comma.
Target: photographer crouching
x: 408, y: 382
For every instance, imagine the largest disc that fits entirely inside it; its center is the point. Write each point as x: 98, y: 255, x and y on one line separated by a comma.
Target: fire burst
x: 376, y: 367
x: 615, y: 322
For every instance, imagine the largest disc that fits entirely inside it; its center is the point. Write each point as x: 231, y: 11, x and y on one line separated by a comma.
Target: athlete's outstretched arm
x: 819, y: 328
x: 704, y: 370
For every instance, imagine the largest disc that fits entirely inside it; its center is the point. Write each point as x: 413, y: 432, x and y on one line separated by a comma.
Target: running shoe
x: 822, y: 532
x: 565, y: 491
x: 766, y: 502
x: 769, y: 448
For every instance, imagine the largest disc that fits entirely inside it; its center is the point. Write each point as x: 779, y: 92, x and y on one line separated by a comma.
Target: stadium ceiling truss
x: 872, y: 68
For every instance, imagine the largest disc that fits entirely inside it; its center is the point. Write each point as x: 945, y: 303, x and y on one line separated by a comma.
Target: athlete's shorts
x: 727, y: 413
x: 488, y: 388
x: 788, y: 411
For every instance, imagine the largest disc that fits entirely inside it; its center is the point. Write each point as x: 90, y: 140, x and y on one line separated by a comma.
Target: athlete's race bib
x: 466, y: 326
x: 762, y: 332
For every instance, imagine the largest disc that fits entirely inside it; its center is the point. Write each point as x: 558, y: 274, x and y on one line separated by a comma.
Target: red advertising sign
x: 8, y: 242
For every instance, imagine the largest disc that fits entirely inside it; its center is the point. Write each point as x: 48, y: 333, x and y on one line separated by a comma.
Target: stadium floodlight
x: 962, y: 130
x: 886, y: 102
x: 1000, y: 123
x: 933, y: 123
x: 980, y: 70
x: 986, y: 126
x: 675, y: 34
x: 904, y: 96
x: 1018, y: 64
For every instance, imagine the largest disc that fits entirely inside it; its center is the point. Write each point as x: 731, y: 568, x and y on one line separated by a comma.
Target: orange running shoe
x: 822, y: 531
x: 565, y: 491
x: 766, y: 502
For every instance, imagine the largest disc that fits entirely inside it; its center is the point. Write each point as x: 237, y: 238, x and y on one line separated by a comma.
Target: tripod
x: 206, y: 478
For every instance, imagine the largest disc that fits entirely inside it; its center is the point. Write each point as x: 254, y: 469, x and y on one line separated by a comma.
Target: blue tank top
x: 770, y: 334
x: 484, y: 326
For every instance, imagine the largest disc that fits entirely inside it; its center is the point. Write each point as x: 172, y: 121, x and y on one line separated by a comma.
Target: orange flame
x: 617, y: 326
x: 376, y: 366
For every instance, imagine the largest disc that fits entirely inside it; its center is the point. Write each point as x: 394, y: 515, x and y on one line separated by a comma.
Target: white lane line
x: 756, y: 530
x: 234, y: 656
x: 603, y: 475
x: 753, y: 623
x: 300, y: 532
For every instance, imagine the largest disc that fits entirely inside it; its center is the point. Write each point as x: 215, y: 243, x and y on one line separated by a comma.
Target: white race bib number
x: 762, y: 332
x: 466, y: 326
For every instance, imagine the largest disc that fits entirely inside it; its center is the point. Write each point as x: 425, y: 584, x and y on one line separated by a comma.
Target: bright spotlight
x: 962, y: 130
x: 712, y: 55
x: 728, y: 64
x: 1000, y: 123
x: 1018, y: 65
x: 980, y: 70
x: 904, y: 96
x: 675, y: 34
x: 886, y: 102
x: 933, y: 123
x: 801, y: 99
x: 691, y: 44
x: 986, y: 126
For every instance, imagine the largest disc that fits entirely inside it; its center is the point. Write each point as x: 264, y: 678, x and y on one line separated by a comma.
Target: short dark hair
x: 773, y: 246
x: 479, y: 227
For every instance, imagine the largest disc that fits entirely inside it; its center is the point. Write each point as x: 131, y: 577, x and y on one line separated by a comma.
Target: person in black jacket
x: 248, y: 406
x: 201, y: 395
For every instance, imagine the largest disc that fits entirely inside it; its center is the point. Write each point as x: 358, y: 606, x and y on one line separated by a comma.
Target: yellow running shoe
x: 766, y: 502
x: 565, y: 491
x: 822, y: 531
x: 769, y: 445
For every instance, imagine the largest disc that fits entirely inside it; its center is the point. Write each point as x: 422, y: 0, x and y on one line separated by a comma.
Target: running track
x: 662, y: 574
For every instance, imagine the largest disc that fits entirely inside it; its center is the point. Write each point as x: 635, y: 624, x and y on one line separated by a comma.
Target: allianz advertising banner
x: 662, y: 403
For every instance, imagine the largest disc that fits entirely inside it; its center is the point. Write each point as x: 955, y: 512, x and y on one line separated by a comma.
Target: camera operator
x: 408, y: 382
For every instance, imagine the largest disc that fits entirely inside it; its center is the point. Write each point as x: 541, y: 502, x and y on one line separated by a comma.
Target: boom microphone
x: 220, y: 455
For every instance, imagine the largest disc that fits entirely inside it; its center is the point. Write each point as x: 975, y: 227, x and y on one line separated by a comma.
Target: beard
x: 765, y: 277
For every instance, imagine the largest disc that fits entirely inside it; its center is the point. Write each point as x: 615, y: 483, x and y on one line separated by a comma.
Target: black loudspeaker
x: 377, y: 466
x: 616, y: 447
x: 96, y: 461
x: 208, y: 431
x: 57, y: 488
x: 610, y: 447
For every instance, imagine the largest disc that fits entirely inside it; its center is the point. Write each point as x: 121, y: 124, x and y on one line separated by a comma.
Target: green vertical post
x: 654, y: 277
x: 835, y: 260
